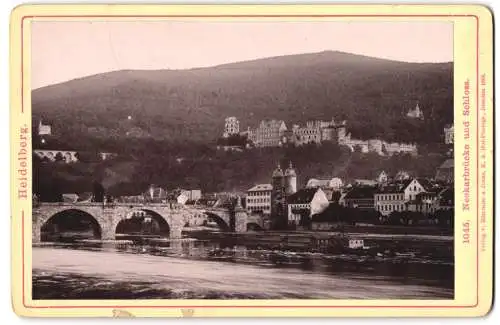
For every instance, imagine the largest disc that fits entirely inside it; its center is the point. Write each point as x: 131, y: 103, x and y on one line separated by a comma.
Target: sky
x: 62, y: 51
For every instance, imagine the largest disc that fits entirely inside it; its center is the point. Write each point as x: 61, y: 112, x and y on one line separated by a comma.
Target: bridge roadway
x: 108, y: 215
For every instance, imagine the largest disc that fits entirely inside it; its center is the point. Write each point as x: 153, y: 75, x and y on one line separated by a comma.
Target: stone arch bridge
x: 108, y: 216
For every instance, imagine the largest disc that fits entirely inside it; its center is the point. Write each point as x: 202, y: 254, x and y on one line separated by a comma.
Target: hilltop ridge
x: 372, y: 94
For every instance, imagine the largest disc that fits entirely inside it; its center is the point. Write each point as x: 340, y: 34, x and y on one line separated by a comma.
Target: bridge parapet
x: 108, y: 215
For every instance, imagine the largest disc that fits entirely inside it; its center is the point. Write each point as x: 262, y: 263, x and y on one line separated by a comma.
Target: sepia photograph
x: 242, y: 159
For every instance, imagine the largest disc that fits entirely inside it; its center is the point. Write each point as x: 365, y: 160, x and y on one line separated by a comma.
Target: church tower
x: 290, y: 180
x: 278, y: 200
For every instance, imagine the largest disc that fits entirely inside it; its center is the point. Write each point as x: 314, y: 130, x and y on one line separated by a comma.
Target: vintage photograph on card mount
x: 242, y: 160
x: 246, y: 159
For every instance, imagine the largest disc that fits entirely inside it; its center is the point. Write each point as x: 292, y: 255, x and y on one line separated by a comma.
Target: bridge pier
x: 36, y: 236
x: 108, y: 222
x: 176, y: 232
x: 107, y: 233
x: 240, y: 219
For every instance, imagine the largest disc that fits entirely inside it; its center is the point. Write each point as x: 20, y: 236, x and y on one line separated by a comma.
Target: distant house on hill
x: 448, y: 134
x: 415, y: 113
x: 382, y: 178
x: 44, y: 129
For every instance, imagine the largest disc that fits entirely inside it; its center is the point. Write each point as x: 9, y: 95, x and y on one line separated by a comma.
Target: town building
x: 425, y: 203
x: 382, y: 178
x: 360, y: 198
x: 415, y: 113
x: 416, y: 194
x: 390, y: 198
x: 44, y: 129
x: 192, y: 195
x: 231, y: 127
x: 270, y: 133
x: 445, y: 172
x: 306, y: 203
x: 258, y: 199
x: 449, y: 134
x: 415, y: 186
x: 290, y: 180
x: 182, y: 198
x: 155, y: 194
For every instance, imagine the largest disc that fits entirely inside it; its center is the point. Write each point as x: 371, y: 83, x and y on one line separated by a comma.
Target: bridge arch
x: 224, y: 225
x: 159, y: 224
x: 72, y: 220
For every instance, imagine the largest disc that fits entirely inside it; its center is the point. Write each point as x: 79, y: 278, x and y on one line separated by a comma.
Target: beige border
x: 472, y: 35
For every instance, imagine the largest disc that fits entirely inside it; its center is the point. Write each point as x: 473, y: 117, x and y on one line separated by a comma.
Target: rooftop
x: 361, y: 193
x: 261, y: 187
x: 391, y: 188
x: 303, y: 196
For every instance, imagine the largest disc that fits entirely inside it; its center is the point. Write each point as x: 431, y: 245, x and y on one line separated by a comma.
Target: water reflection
x: 223, y: 269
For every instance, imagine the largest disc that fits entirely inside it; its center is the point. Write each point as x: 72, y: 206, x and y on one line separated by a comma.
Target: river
x: 207, y: 270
